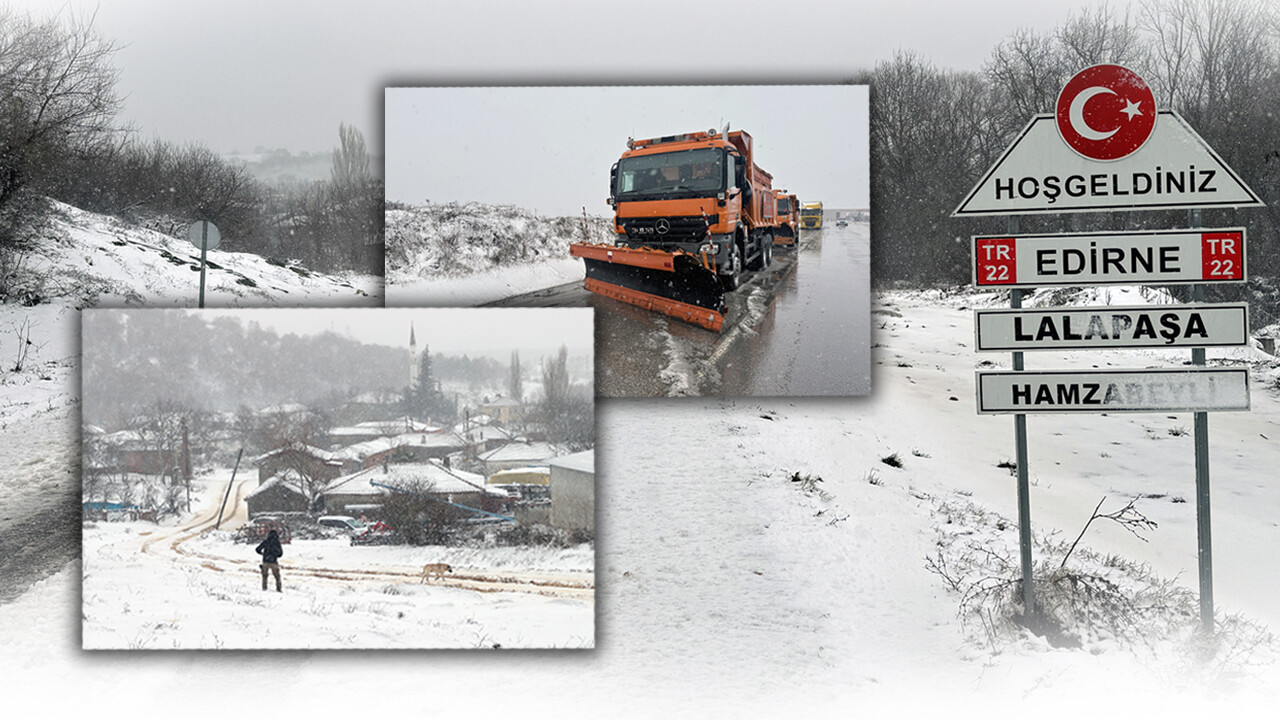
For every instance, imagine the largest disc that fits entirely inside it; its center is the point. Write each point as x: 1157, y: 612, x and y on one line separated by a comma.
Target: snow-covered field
x: 345, y: 598
x: 187, y: 585
x: 729, y: 586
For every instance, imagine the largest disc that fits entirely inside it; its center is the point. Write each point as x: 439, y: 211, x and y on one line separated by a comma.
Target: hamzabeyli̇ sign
x: 1093, y: 391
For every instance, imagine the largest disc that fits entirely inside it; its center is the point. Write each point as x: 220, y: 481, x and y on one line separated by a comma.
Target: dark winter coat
x: 270, y: 549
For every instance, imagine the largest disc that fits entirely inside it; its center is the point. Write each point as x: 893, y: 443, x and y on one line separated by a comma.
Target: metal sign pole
x: 204, y: 251
x: 1204, y: 539
x: 1024, y: 485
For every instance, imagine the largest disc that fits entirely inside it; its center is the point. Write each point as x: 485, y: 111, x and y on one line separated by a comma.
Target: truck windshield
x: 687, y: 173
x: 784, y: 205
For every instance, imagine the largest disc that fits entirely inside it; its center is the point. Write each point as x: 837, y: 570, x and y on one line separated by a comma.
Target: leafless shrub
x: 1083, y: 599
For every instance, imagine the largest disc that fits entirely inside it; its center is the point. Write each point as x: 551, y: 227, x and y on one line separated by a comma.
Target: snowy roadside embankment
x: 98, y: 261
x: 473, y: 253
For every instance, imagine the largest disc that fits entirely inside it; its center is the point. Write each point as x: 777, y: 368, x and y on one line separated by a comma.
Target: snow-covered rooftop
x: 407, y: 476
x: 584, y: 461
x: 517, y: 451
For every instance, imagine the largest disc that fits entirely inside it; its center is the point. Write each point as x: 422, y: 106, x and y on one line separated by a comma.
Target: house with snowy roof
x: 406, y: 447
x: 373, y: 429
x: 129, y: 451
x: 318, y: 464
x: 368, y: 489
x: 504, y: 410
x: 517, y: 454
x: 281, y: 493
x: 484, y: 438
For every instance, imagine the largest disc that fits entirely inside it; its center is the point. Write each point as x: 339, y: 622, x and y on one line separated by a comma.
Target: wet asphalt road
x: 39, y: 498
x: 806, y: 330
x: 815, y: 337
x: 36, y: 546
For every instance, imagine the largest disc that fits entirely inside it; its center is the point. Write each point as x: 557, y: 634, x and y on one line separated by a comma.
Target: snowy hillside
x: 96, y: 260
x: 774, y: 557
x: 475, y: 253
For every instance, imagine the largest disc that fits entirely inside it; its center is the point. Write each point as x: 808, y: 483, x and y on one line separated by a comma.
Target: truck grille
x: 668, y: 229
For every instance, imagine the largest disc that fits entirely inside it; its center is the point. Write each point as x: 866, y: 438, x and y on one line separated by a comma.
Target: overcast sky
x: 494, y: 332
x: 235, y: 74
x: 549, y: 149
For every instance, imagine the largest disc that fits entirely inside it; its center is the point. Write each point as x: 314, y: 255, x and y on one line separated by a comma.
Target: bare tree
x: 516, y: 384
x: 350, y: 160
x: 567, y: 417
x: 1099, y: 35
x: 57, y: 97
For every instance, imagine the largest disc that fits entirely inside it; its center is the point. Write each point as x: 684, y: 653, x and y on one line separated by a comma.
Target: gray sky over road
x: 549, y: 149
x: 235, y: 74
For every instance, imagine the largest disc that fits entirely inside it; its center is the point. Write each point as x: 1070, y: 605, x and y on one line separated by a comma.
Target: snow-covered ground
x: 487, y: 287
x: 190, y: 586
x: 97, y: 260
x: 729, y: 586
x: 336, y: 596
x: 476, y: 253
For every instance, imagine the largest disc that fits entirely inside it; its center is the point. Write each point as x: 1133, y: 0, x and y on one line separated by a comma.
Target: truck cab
x: 788, y: 230
x: 700, y: 193
x: 811, y: 216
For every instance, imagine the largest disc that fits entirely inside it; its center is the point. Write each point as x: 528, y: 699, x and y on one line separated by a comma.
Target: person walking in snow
x: 270, y: 551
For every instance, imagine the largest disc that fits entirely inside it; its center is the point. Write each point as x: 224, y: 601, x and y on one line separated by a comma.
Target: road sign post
x: 204, y: 235
x: 1200, y: 425
x: 1107, y: 148
x: 1024, y: 478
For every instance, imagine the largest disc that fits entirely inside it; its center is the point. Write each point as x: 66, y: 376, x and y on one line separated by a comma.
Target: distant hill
x: 280, y: 166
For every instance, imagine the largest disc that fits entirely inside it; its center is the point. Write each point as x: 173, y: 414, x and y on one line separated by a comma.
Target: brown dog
x: 437, y: 569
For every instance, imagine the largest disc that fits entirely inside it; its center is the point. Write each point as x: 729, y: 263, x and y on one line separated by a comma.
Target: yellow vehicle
x: 811, y: 216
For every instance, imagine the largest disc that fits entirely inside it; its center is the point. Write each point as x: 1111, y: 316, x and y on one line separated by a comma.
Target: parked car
x: 378, y: 533
x: 342, y: 522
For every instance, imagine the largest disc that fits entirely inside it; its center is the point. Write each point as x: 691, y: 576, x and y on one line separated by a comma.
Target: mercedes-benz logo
x: 663, y: 226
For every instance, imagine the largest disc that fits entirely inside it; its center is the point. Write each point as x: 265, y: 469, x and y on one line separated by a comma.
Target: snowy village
x: 471, y: 488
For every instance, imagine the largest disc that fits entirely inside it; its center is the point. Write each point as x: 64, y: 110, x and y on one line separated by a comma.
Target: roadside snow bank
x: 433, y: 242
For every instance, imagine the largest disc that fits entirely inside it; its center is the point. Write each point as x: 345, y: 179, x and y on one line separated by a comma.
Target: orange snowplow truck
x: 788, y: 231
x: 692, y: 213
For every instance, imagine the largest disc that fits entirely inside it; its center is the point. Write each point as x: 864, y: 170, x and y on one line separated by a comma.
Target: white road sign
x: 1040, y: 173
x: 204, y: 235
x: 1110, y: 327
x: 1167, y: 257
x: 1108, y: 391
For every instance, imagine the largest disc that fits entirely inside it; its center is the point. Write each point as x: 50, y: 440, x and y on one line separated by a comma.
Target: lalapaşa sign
x: 1108, y: 391
x: 1166, y: 257
x: 1112, y: 327
x: 1106, y: 148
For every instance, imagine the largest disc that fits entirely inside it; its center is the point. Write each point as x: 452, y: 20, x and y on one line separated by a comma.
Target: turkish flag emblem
x: 1106, y: 112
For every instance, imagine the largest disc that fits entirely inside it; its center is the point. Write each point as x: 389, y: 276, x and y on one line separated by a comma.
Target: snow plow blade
x: 673, y: 283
